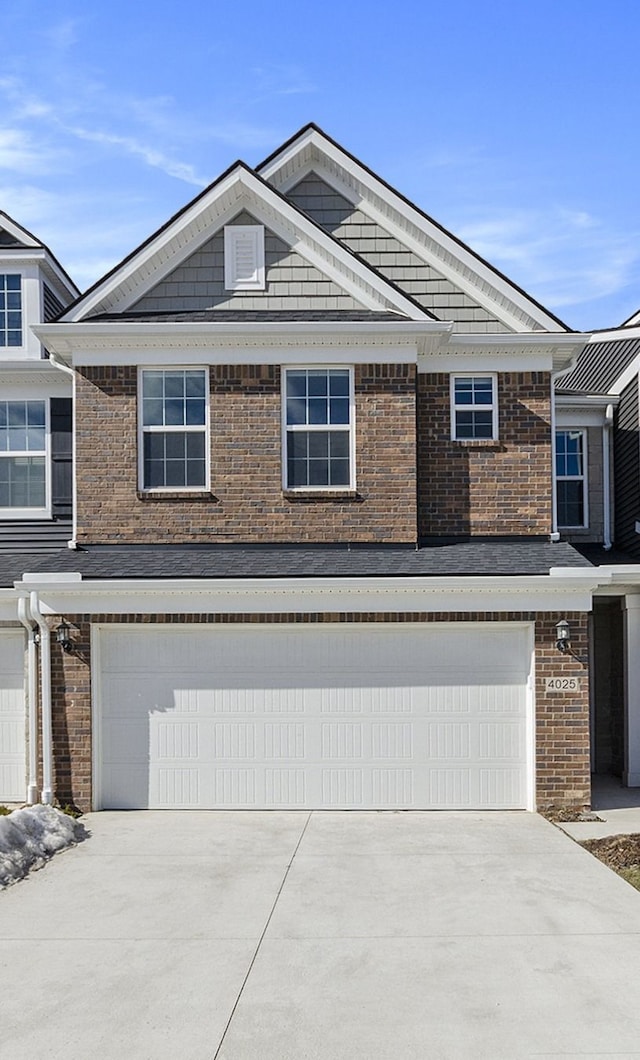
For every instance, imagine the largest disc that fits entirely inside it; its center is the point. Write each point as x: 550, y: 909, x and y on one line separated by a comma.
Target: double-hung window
x: 174, y: 421
x: 571, y: 478
x: 474, y: 407
x: 10, y: 310
x: 23, y: 456
x: 318, y: 428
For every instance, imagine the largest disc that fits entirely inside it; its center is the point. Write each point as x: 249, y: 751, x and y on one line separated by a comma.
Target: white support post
x: 631, y: 776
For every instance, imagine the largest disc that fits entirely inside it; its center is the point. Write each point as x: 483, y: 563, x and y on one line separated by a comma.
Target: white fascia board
x: 115, y: 342
x: 531, y: 351
x: 408, y: 215
x: 630, y: 373
x: 616, y: 334
x: 208, y: 214
x: 308, y: 595
x: 17, y: 231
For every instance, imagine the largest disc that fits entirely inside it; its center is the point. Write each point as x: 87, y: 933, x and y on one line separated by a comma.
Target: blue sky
x: 511, y: 122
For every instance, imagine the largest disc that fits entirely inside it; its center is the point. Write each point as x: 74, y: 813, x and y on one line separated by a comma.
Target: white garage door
x: 12, y: 716
x: 366, y: 716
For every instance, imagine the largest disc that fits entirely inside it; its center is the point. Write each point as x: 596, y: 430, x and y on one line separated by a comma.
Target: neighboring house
x: 35, y: 457
x: 597, y: 419
x: 315, y: 559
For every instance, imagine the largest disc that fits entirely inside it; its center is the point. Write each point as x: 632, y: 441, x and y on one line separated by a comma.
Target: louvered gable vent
x: 244, y: 257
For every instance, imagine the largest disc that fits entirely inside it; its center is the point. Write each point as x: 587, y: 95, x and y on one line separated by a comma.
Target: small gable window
x: 244, y: 258
x: 173, y: 416
x: 474, y: 407
x: 10, y: 310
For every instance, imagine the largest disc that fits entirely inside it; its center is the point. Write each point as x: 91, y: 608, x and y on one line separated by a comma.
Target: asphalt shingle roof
x: 481, y: 558
x: 248, y: 316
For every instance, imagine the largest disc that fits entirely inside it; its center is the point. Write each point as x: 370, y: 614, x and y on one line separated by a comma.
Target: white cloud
x: 152, y: 157
x: 21, y: 154
x: 565, y: 257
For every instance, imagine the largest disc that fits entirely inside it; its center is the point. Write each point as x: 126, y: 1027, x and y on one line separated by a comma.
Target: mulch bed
x: 617, y: 851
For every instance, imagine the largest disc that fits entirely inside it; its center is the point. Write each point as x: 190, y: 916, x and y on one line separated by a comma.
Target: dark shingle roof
x: 482, y: 558
x: 248, y: 316
x: 600, y: 364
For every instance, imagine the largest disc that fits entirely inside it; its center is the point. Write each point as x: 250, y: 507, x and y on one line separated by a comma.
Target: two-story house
x: 35, y: 461
x: 315, y: 558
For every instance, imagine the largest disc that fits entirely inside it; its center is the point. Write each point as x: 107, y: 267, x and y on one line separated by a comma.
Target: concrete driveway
x: 295, y: 936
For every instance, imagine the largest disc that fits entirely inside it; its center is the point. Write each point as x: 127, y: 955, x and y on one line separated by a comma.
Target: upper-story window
x: 23, y: 456
x: 244, y: 258
x: 571, y: 478
x: 319, y: 427
x: 174, y: 421
x: 10, y: 310
x: 474, y: 407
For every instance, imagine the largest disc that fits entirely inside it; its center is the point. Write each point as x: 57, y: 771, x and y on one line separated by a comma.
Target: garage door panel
x: 362, y: 717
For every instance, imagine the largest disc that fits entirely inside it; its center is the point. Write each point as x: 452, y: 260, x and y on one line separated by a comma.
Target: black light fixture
x: 563, y: 636
x: 63, y: 636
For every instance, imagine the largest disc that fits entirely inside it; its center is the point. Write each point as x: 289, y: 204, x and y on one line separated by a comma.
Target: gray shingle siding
x: 291, y: 283
x: 390, y: 257
x: 627, y: 471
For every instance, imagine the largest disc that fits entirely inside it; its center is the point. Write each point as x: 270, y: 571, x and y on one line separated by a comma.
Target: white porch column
x: 631, y: 776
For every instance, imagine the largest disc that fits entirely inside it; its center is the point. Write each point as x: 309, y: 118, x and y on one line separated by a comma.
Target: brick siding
x: 562, y: 719
x: 247, y: 502
x: 483, y: 487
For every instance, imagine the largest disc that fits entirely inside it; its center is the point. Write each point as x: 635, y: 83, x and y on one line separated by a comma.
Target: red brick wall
x: 484, y: 487
x: 247, y: 503
x: 562, y: 719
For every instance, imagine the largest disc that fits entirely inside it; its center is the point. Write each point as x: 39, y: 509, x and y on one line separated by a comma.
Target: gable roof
x: 237, y: 189
x: 17, y: 242
x: 311, y: 150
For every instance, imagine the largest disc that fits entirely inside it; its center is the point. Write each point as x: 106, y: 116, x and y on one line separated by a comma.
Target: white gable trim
x: 239, y: 190
x: 402, y: 220
x: 17, y: 231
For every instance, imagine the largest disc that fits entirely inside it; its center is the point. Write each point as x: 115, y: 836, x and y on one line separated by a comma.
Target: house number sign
x: 562, y: 684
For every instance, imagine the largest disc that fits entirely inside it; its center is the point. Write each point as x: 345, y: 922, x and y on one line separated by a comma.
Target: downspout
x: 32, y: 699
x: 45, y: 693
x: 62, y: 367
x: 555, y: 536
x: 606, y: 476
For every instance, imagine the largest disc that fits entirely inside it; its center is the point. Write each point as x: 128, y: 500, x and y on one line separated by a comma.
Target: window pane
x: 296, y: 410
x: 296, y: 384
x: 339, y: 410
x: 176, y: 472
x: 195, y: 384
x: 339, y: 472
x: 195, y: 447
x: 35, y: 439
x: 318, y: 383
x: 195, y: 473
x: 17, y: 439
x: 174, y: 384
x: 35, y: 413
x: 154, y: 446
x: 174, y: 412
x: 175, y: 446
x: 474, y: 425
x: 318, y: 410
x: 17, y: 413
x: 463, y: 392
x: 195, y: 411
x: 339, y: 444
x: 318, y: 445
x: 297, y: 444
x: 13, y: 283
x: 339, y: 384
x: 318, y: 473
x: 296, y: 473
x: 570, y: 503
x: 153, y: 384
x: 152, y: 412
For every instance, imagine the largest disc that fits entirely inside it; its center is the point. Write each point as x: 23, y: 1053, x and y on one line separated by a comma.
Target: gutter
x: 32, y: 698
x: 62, y: 367
x: 45, y: 692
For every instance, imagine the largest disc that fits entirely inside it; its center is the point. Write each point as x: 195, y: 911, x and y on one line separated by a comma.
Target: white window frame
x: 32, y: 513
x: 584, y: 477
x: 306, y: 428
x: 493, y: 407
x: 4, y: 273
x: 232, y: 236
x: 178, y: 428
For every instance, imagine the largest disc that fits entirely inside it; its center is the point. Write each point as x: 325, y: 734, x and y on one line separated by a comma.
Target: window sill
x: 478, y: 443
x: 321, y: 495
x: 175, y: 495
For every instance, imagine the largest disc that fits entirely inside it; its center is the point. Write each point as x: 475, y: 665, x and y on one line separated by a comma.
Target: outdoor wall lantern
x: 563, y: 636
x: 63, y: 636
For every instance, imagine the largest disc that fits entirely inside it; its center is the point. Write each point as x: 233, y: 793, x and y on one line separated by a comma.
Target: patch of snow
x: 29, y: 837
